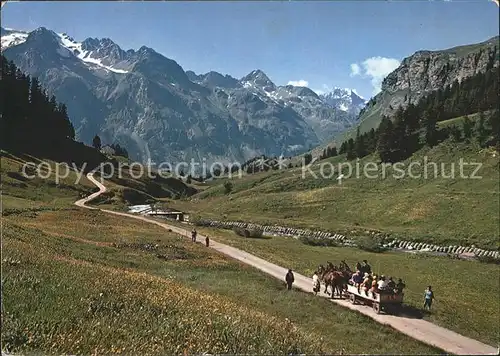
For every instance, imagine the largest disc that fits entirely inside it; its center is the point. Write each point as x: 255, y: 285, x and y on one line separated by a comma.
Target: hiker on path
x: 289, y: 279
x: 316, y: 283
x: 207, y: 241
x: 193, y: 235
x: 428, y: 298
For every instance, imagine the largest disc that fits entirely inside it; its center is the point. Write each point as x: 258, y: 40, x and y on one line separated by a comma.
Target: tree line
x: 33, y: 122
x: 30, y: 117
x: 409, y: 129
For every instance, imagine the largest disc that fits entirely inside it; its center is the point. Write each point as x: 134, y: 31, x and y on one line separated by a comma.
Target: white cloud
x: 375, y: 68
x: 299, y: 83
x: 355, y: 70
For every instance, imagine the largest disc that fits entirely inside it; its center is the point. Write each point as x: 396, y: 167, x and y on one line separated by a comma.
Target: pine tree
x: 372, y: 141
x: 360, y: 145
x: 455, y: 133
x: 431, y: 134
x: 481, y: 131
x: 31, y: 120
x: 351, y: 149
x: 494, y: 125
x: 343, y: 148
x: 399, y: 142
x: 307, y: 158
x: 467, y: 128
x: 385, y: 137
x: 96, y: 142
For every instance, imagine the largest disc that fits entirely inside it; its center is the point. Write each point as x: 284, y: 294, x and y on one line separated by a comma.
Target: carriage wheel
x: 352, y: 298
x: 376, y: 307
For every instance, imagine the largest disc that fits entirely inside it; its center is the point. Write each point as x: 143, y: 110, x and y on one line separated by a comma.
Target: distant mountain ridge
x: 149, y: 104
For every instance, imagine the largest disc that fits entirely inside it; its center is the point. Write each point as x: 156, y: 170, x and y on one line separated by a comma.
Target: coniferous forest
x: 33, y: 122
x: 398, y: 137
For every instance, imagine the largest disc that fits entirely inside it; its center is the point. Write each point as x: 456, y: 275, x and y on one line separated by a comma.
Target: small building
x: 108, y: 150
x: 174, y: 215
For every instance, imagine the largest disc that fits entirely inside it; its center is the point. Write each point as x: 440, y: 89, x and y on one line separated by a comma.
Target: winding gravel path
x: 419, y: 329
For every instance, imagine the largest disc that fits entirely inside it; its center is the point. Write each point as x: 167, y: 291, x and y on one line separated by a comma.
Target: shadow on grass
x: 412, y: 312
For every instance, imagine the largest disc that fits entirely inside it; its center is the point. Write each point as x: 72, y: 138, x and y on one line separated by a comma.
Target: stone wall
x: 342, y: 239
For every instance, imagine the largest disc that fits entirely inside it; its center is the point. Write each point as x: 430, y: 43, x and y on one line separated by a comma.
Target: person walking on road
x: 428, y: 298
x: 289, y: 279
x: 316, y: 283
x: 193, y: 235
x: 207, y: 241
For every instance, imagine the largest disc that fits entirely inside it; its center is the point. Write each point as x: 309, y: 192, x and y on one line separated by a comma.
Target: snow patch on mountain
x: 344, y: 99
x: 13, y: 38
x: 69, y: 47
x: 86, y: 56
x: 343, y: 107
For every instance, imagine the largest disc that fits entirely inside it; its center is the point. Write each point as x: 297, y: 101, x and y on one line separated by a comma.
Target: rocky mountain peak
x: 43, y: 35
x: 167, y: 113
x: 302, y: 91
x: 344, y: 99
x: 214, y: 79
x: 105, y: 49
x: 258, y: 78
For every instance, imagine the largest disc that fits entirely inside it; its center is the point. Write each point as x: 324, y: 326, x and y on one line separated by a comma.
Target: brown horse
x: 332, y: 278
x: 335, y: 277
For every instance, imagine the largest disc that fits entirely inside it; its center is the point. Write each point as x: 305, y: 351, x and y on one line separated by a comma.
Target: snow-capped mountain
x: 11, y: 37
x: 149, y: 104
x: 327, y: 114
x: 344, y: 99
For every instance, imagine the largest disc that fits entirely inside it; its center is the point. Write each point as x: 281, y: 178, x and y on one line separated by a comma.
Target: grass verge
x: 81, y: 281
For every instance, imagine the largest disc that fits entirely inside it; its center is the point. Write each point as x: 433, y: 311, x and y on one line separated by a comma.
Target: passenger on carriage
x: 366, y: 268
x: 374, y: 284
x: 391, y: 284
x: 367, y: 282
x: 399, y: 287
x: 382, y: 284
x: 357, y: 279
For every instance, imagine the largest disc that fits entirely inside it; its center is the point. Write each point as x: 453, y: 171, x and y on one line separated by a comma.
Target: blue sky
x: 351, y: 44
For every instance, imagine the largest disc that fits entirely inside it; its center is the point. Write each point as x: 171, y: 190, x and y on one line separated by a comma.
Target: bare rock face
x: 423, y: 73
x: 427, y: 71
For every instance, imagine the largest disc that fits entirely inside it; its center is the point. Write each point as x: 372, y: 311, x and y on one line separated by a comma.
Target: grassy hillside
x: 84, y: 282
x: 129, y: 185
x: 19, y: 192
x: 126, y: 186
x: 457, y: 121
x: 437, y: 209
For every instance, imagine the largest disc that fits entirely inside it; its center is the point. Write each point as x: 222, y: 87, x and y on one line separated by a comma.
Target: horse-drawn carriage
x: 338, y: 278
x: 386, y: 301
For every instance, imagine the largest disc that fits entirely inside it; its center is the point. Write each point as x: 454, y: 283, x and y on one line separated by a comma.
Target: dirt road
x: 419, y: 329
